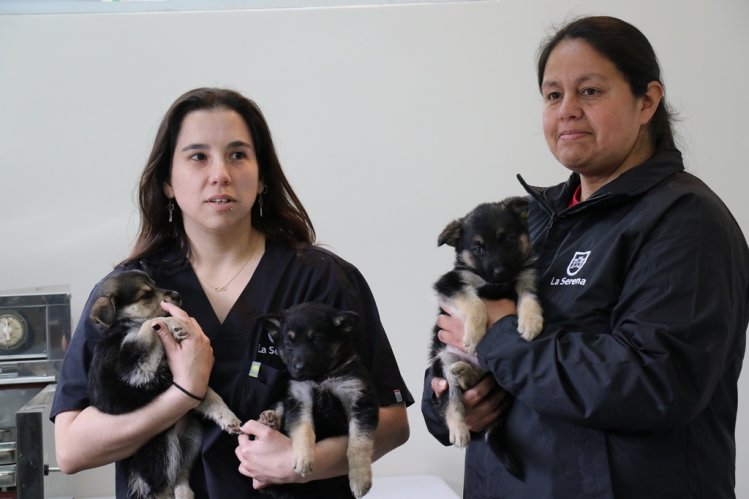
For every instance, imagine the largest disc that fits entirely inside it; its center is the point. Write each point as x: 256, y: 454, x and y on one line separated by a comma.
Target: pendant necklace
x: 221, y: 289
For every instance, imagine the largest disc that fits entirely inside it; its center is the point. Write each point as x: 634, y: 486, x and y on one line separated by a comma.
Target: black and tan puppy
x: 330, y: 394
x: 129, y: 369
x: 493, y: 260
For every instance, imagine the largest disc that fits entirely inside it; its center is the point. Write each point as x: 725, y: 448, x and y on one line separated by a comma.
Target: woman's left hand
x: 191, y: 359
x: 265, y: 455
x: 451, y: 330
x: 453, y: 326
x: 484, y: 404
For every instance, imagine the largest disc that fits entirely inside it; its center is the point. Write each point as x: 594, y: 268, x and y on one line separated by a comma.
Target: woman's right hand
x: 191, y: 359
x: 484, y: 403
x: 452, y: 326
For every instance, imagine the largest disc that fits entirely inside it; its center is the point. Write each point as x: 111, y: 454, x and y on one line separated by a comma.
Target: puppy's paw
x: 232, y: 426
x: 229, y: 422
x: 360, y: 480
x: 270, y: 418
x: 302, y: 435
x: 530, y: 319
x: 460, y: 435
x: 465, y: 374
x: 469, y: 344
x: 177, y: 328
x: 303, y: 463
x: 183, y: 491
x: 475, y: 331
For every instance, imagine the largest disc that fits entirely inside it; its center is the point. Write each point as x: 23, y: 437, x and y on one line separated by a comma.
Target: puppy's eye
x: 477, y: 249
x: 144, y: 294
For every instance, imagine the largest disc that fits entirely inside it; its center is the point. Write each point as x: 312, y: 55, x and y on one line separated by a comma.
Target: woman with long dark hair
x: 221, y: 225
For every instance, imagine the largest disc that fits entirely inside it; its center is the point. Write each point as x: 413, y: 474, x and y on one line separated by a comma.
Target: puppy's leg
x: 271, y: 419
x: 300, y: 426
x: 530, y: 314
x: 362, y: 411
x: 460, y: 435
x: 359, y: 453
x: 176, y: 327
x: 153, y: 469
x: 469, y: 306
x: 140, y: 354
x: 143, y: 351
x: 191, y: 436
x: 530, y: 317
x: 214, y: 408
x: 465, y: 374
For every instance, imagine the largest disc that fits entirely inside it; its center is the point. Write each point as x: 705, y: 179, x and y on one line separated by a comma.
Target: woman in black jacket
x: 631, y: 389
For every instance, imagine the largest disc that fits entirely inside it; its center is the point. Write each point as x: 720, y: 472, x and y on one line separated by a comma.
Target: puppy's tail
x: 496, y: 439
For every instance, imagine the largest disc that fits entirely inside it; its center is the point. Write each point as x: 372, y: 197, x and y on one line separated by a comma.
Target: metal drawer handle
x: 49, y: 469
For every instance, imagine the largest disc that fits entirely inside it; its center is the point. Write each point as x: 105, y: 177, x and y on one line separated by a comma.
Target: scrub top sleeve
x: 71, y: 392
x: 374, y: 346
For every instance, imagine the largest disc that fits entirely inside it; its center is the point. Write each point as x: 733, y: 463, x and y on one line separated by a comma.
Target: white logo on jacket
x: 577, y: 262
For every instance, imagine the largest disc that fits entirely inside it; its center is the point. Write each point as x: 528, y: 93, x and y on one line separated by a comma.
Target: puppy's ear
x: 103, y: 312
x: 519, y: 205
x: 451, y: 234
x: 345, y: 321
x: 271, y: 322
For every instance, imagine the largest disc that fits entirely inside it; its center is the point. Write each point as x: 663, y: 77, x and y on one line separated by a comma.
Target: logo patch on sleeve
x: 398, y: 396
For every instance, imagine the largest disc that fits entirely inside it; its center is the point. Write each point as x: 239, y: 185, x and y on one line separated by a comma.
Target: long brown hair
x: 284, y: 218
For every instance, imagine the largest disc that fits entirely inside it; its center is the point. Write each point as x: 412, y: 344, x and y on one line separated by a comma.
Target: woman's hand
x: 191, y: 359
x: 265, y: 455
x: 484, y: 403
x: 452, y: 326
x: 498, y: 309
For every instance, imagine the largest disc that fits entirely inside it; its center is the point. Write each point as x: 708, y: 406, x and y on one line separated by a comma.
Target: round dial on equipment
x: 13, y: 330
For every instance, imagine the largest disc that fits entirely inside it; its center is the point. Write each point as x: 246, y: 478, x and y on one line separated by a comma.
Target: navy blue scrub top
x: 247, y: 373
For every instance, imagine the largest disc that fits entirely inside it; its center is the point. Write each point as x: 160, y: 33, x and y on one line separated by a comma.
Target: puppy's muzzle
x: 173, y: 297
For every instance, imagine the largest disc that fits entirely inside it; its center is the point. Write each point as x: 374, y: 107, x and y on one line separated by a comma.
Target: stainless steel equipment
x: 32, y: 458
x: 35, y: 327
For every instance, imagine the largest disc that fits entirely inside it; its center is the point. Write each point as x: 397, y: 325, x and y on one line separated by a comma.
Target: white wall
x: 390, y: 121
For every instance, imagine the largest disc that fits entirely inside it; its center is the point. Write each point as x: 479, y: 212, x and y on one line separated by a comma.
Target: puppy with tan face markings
x: 493, y: 259
x: 330, y: 394
x: 129, y: 370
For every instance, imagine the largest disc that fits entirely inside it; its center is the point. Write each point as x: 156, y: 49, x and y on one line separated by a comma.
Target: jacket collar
x: 631, y: 183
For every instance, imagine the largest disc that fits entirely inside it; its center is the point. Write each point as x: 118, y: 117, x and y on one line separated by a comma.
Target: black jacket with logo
x: 631, y: 390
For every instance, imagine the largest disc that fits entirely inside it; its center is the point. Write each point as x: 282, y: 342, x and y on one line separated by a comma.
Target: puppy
x: 493, y: 259
x: 129, y: 369
x: 330, y: 393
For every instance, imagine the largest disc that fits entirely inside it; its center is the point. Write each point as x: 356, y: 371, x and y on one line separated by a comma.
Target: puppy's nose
x: 174, y: 297
x: 499, y: 273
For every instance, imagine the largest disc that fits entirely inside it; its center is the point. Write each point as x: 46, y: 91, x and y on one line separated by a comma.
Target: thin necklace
x: 221, y: 289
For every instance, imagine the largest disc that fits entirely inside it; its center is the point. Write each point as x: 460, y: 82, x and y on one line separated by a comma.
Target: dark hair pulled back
x: 632, y: 54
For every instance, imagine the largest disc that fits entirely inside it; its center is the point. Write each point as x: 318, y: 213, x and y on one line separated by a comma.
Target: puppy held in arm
x: 493, y: 259
x: 330, y: 393
x: 129, y: 370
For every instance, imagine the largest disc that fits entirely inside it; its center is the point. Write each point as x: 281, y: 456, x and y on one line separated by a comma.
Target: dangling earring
x: 260, y: 199
x: 170, y: 207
